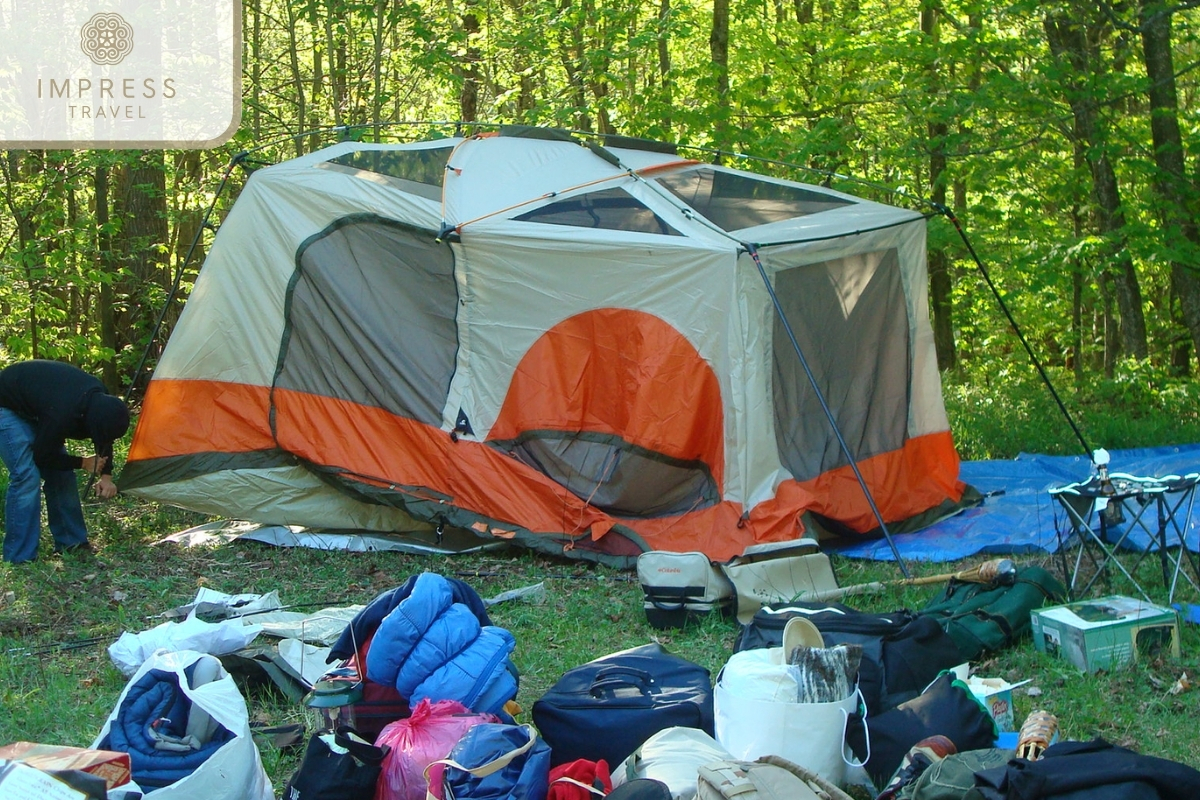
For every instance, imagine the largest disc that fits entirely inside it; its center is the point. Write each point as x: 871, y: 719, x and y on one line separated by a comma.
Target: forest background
x: 1062, y: 135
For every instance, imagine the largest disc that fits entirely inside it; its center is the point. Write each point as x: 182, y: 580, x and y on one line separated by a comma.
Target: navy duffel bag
x: 605, y: 709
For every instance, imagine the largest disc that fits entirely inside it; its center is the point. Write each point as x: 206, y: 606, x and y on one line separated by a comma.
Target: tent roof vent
x: 734, y: 201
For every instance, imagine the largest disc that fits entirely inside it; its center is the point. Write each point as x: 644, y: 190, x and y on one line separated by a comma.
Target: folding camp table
x: 1102, y: 521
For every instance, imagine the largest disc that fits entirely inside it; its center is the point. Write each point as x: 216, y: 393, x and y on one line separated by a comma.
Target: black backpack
x: 902, y: 651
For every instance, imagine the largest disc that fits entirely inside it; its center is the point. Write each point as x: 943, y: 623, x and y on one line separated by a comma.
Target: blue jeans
x: 22, y: 503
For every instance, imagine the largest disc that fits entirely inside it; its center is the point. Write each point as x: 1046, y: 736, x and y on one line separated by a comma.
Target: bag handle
x: 581, y: 784
x: 862, y: 703
x: 664, y: 606
x: 620, y: 669
x: 360, y: 748
x: 483, y: 770
x: 616, y: 676
x: 617, y: 683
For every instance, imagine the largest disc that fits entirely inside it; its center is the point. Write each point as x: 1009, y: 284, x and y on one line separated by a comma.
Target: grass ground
x: 58, y: 615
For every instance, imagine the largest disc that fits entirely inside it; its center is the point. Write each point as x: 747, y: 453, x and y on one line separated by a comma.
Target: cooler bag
x: 605, y: 709
x: 681, y: 587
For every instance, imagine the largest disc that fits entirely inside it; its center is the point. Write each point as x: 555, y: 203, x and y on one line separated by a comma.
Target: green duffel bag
x: 953, y: 776
x: 980, y: 617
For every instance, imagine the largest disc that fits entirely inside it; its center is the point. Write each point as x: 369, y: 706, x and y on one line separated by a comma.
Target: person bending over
x: 42, y: 404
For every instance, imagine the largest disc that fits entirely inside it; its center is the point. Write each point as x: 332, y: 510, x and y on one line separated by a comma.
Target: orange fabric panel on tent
x: 624, y: 373
x: 184, y: 417
x: 721, y: 532
x: 383, y: 449
x: 905, y: 482
x: 364, y: 440
x: 386, y: 449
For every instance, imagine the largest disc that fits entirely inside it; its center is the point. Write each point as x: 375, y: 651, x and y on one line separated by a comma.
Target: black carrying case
x: 605, y: 709
x: 902, y: 651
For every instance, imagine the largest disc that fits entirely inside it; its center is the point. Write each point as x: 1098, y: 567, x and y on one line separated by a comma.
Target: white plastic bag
x: 234, y: 771
x: 756, y: 713
x: 217, y: 638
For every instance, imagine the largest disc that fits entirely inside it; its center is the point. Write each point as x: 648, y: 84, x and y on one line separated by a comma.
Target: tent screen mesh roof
x: 426, y: 166
x: 612, y: 209
x: 733, y: 202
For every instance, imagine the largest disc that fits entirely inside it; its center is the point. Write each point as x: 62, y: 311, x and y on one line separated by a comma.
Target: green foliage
x: 855, y: 86
x: 1004, y: 409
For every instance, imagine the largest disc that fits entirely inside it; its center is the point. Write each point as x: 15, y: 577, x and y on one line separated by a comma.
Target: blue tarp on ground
x: 1023, y: 517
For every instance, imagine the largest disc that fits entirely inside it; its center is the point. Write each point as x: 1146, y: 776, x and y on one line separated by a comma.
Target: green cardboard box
x: 1106, y: 632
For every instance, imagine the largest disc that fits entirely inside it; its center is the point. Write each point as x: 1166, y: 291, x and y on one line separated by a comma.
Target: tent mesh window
x: 371, y: 318
x: 615, y: 476
x: 611, y: 209
x: 851, y: 322
x: 418, y: 171
x: 733, y: 202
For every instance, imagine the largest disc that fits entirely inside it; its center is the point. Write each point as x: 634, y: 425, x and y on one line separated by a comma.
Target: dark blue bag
x: 606, y: 708
x: 497, y: 762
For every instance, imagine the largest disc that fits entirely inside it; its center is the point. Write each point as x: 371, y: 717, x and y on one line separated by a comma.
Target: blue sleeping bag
x: 153, y: 715
x: 432, y: 645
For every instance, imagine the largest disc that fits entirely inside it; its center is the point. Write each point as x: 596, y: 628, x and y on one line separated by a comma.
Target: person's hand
x: 106, y: 488
x: 90, y: 464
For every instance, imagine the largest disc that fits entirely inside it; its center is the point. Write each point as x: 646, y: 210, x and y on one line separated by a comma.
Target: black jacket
x: 54, y: 397
x: 1093, y: 770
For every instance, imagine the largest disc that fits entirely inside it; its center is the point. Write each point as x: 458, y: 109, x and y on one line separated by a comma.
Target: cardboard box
x: 996, y: 696
x: 22, y: 782
x: 110, y: 765
x: 1107, y: 632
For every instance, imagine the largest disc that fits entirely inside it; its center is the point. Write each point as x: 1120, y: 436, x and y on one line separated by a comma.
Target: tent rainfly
x: 521, y: 337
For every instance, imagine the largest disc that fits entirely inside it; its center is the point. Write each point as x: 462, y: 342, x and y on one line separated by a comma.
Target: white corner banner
x: 119, y: 73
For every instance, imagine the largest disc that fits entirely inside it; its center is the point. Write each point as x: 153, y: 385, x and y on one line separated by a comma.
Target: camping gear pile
x: 814, y: 698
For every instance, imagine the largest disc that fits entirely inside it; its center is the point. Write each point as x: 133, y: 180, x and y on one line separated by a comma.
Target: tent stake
x: 812, y: 379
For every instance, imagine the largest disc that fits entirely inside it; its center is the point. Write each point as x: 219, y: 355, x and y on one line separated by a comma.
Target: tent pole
x: 812, y: 379
x: 1016, y: 328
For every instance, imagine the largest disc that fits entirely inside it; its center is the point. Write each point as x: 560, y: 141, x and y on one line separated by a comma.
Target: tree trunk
x: 297, y: 77
x: 666, y: 80
x: 1069, y: 43
x: 27, y: 247
x: 719, y: 49
x: 940, y: 285
x: 107, y: 265
x: 1182, y: 238
x: 1077, y: 268
x: 141, y: 243
x: 468, y: 100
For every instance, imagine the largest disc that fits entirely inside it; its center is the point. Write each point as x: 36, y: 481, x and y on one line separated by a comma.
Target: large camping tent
x: 572, y: 346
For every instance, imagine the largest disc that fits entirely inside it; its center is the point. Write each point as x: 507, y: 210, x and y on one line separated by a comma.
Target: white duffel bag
x: 757, y: 713
x: 673, y: 756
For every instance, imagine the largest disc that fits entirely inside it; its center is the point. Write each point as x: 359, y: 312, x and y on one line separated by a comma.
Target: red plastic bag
x: 580, y: 780
x: 428, y: 734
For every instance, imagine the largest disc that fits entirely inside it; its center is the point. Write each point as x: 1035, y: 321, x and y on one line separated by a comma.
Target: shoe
x: 919, y: 758
x: 83, y: 549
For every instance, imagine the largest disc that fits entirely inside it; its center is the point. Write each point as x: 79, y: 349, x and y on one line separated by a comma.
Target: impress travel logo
x: 119, y: 73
